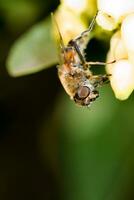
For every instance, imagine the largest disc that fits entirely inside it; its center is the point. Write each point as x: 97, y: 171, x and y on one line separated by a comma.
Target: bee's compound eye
x: 83, y: 92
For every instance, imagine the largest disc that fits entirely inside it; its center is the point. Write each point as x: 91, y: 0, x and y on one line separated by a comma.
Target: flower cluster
x: 119, y: 16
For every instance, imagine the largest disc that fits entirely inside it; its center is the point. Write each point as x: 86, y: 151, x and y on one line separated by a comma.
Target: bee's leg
x: 81, y: 57
x: 87, y: 31
x: 77, y: 49
x: 98, y: 80
x: 80, y: 42
x: 100, y: 63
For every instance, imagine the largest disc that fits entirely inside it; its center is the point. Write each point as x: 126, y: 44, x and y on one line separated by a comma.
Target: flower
x: 70, y: 25
x: 110, y: 15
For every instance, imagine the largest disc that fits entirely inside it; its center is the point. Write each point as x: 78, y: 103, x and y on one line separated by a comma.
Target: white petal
x: 105, y: 21
x: 127, y: 30
x: 122, y: 79
x: 76, y: 5
x: 117, y: 47
x: 87, y: 7
x: 117, y: 9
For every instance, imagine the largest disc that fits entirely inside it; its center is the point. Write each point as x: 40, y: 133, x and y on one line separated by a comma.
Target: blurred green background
x: 50, y: 148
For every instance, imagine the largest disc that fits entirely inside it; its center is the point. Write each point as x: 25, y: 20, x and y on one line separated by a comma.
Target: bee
x: 74, y: 71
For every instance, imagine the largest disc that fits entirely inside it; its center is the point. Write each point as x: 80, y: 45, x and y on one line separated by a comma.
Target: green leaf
x: 33, y: 51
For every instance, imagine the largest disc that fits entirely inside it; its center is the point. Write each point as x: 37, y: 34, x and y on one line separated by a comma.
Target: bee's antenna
x: 61, y: 38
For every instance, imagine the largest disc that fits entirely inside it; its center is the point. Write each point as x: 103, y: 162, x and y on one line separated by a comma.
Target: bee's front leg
x: 99, y: 80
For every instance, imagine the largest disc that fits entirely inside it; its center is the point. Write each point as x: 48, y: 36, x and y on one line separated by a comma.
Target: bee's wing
x: 83, y: 39
x: 61, y: 46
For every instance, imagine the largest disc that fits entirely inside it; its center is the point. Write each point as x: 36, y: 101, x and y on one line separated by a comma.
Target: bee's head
x: 85, y: 95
